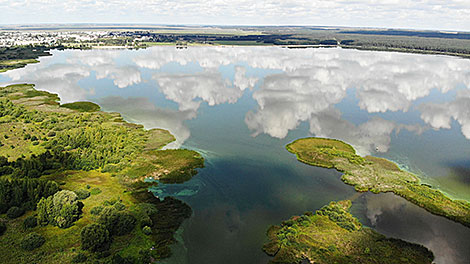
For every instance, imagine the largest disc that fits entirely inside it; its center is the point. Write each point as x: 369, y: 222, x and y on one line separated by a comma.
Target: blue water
x: 240, y: 106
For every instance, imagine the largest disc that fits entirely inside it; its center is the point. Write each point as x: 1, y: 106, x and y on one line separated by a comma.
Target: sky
x: 416, y: 14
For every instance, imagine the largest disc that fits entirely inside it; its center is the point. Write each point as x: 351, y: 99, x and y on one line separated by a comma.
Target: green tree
x: 95, y: 237
x: 61, y: 209
x: 32, y: 241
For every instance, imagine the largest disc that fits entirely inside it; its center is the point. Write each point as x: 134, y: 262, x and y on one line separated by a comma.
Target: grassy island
x: 333, y: 235
x: 377, y: 175
x: 71, y: 183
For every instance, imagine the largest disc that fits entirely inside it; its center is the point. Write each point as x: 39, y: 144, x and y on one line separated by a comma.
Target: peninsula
x: 333, y: 235
x: 71, y: 183
x: 377, y: 175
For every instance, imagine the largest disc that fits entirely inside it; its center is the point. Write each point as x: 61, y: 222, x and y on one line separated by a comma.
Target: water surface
x: 240, y: 106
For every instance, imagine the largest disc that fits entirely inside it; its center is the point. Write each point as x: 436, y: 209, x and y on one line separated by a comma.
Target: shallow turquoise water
x: 240, y: 106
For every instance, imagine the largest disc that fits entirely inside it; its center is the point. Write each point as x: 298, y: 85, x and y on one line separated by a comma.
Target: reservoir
x: 240, y: 106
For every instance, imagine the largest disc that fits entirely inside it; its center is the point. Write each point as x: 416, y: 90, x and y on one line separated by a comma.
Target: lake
x: 240, y: 106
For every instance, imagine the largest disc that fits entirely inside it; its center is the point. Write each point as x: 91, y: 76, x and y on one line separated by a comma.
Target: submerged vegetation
x: 333, y: 235
x: 377, y: 175
x: 71, y: 183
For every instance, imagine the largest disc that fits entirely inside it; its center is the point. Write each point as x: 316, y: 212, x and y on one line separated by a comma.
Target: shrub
x: 118, y: 259
x: 125, y: 224
x: 145, y: 221
x: 61, y: 209
x: 117, y: 223
x: 95, y: 237
x: 29, y: 206
x: 95, y: 191
x: 3, y: 228
x: 32, y: 241
x: 96, y: 210
x: 82, y: 194
x: 30, y: 222
x: 148, y: 208
x: 147, y: 230
x: 110, y: 202
x: 119, y: 206
x: 79, y: 258
x: 15, y: 212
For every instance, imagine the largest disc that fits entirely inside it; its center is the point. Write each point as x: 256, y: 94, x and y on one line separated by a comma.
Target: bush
x: 117, y: 223
x: 3, y: 228
x: 82, y: 194
x: 32, y: 241
x: 147, y: 230
x: 95, y: 191
x: 118, y: 259
x: 119, y: 206
x: 29, y: 206
x: 61, y: 209
x: 110, y: 202
x: 15, y: 212
x: 79, y: 258
x: 125, y: 225
x: 30, y: 222
x: 96, y: 210
x: 95, y: 237
x: 145, y: 221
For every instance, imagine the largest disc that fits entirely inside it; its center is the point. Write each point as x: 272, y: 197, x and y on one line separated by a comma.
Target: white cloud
x: 441, y: 115
x: 56, y: 78
x: 186, y: 89
x: 141, y: 111
x: 451, y: 14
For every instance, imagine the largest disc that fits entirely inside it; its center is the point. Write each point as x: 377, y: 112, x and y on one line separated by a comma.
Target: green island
x: 333, y: 235
x: 71, y: 183
x: 377, y: 175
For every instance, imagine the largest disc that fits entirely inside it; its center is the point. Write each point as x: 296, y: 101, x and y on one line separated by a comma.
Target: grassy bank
x: 377, y: 175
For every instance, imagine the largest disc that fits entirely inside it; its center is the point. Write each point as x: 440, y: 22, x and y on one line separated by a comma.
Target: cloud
x: 63, y: 78
x: 56, y: 78
x: 441, y: 115
x: 122, y: 76
x: 394, y: 216
x: 208, y: 86
x: 452, y: 14
x: 141, y: 111
x: 314, y: 81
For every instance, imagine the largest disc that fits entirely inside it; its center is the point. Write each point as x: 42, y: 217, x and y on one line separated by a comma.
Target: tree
x: 117, y: 222
x: 3, y: 228
x: 95, y: 237
x: 61, y: 209
x: 32, y: 241
x: 15, y: 212
x: 30, y: 222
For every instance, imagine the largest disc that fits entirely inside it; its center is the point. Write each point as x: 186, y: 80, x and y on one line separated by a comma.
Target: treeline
x: 24, y: 193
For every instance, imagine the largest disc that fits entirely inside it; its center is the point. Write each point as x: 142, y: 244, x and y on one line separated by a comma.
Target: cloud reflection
x: 140, y: 110
x: 299, y: 85
x: 394, y: 216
